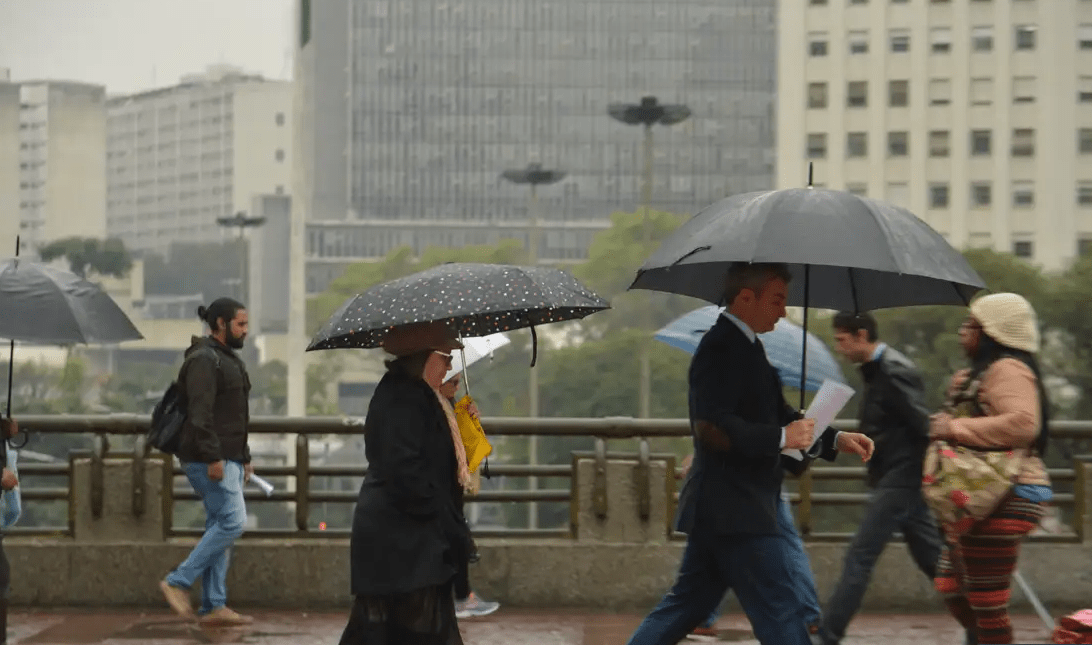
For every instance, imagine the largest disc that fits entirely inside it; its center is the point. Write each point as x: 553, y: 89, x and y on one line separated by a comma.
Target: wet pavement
x: 506, y: 627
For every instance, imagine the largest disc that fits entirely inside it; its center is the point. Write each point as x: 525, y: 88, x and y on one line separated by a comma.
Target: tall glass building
x: 413, y: 108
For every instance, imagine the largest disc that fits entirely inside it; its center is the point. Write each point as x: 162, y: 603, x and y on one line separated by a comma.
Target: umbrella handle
x: 534, y: 346
x: 466, y: 383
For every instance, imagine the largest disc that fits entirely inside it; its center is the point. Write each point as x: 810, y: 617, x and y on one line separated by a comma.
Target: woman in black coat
x: 409, y: 536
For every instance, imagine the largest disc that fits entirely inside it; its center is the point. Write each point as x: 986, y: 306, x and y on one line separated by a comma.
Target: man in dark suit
x: 730, y: 502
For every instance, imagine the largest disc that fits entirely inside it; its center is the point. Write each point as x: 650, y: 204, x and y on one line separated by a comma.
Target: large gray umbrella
x: 43, y: 305
x: 861, y: 254
x: 845, y: 252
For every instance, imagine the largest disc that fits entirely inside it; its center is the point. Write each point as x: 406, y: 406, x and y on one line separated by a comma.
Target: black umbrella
x: 845, y: 252
x: 474, y: 299
x: 43, y: 305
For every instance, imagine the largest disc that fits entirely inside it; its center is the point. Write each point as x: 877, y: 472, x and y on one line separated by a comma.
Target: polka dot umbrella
x: 474, y: 299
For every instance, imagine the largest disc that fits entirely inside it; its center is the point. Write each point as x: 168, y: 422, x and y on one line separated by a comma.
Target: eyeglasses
x: 971, y: 324
x: 445, y: 355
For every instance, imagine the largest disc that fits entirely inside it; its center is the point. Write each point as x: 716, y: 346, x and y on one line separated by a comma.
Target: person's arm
x: 201, y: 380
x: 1011, y: 395
x: 716, y: 386
x: 405, y: 420
x: 907, y: 399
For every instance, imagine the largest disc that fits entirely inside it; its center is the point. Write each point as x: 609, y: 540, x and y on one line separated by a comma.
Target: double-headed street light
x: 242, y: 222
x: 533, y: 175
x: 648, y: 112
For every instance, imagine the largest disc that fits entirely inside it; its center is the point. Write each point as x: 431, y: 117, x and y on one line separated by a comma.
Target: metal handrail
x: 609, y: 428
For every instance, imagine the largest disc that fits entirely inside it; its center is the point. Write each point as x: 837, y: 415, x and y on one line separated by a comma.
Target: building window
x: 279, y: 155
x: 898, y: 193
x: 818, y: 2
x: 900, y: 41
x: 1084, y: 37
x: 940, y: 40
x: 940, y: 91
x: 1023, y: 142
x: 858, y: 1
x: 858, y: 42
x: 981, y: 195
x: 938, y: 196
x: 1084, y: 141
x: 857, y: 94
x: 898, y: 144
x: 279, y: 119
x: 981, y: 143
x: 857, y: 144
x: 1023, y: 89
x: 817, y: 95
x: 981, y: 91
x: 1084, y: 89
x: 1084, y: 193
x: 1025, y: 37
x: 898, y: 93
x: 1023, y: 194
x: 1022, y: 249
x: 857, y: 188
x: 1084, y: 246
x: 939, y: 144
x: 982, y: 38
x: 817, y: 145
x: 817, y: 44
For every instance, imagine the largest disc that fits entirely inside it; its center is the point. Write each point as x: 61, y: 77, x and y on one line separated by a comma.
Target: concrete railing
x: 617, y: 551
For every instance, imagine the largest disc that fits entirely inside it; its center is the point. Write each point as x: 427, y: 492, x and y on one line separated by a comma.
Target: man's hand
x: 248, y: 472
x: 216, y: 471
x: 940, y: 426
x: 9, y: 480
x: 685, y: 465
x: 856, y: 443
x: 800, y: 434
x: 9, y: 428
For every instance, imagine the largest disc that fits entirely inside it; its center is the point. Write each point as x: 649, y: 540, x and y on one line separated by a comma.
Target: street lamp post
x: 243, y: 222
x: 648, y: 113
x: 533, y: 175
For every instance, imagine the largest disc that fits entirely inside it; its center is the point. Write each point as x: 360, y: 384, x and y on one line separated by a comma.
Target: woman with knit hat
x: 409, y: 536
x: 999, y: 403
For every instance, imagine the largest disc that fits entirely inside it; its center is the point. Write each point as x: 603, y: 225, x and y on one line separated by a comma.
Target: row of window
x: 981, y: 143
x: 981, y: 194
x: 864, y: 2
x: 981, y: 92
x: 940, y: 40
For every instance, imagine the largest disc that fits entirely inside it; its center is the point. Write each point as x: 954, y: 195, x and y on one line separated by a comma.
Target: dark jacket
x: 894, y: 415
x: 408, y: 533
x: 734, y: 388
x: 216, y: 388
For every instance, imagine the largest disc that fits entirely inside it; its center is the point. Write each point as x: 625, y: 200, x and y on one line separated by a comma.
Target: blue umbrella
x: 783, y: 346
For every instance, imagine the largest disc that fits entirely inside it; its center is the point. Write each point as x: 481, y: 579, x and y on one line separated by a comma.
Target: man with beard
x: 215, y: 457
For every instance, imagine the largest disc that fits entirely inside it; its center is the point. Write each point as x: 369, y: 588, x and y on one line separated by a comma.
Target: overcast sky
x: 134, y: 45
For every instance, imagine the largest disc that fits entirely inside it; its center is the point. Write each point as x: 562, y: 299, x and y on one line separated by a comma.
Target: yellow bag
x: 477, y: 446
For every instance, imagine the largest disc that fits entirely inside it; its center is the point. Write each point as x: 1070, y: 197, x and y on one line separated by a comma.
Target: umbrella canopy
x: 474, y: 350
x: 40, y: 304
x: 783, y: 345
x: 474, y: 299
x: 862, y: 254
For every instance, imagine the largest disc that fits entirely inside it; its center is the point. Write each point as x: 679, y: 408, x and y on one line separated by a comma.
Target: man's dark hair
x: 852, y: 323
x: 753, y: 276
x: 221, y: 308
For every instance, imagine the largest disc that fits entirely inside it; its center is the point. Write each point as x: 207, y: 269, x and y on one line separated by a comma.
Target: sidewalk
x: 506, y: 627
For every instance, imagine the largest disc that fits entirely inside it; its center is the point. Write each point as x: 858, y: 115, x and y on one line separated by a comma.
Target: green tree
x: 1067, y: 316
x: 84, y: 255
x: 195, y: 268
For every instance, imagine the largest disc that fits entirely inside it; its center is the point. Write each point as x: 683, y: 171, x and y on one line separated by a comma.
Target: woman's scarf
x: 456, y: 438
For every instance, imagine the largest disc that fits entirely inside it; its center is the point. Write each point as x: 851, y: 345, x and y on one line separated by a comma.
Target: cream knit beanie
x: 1009, y: 319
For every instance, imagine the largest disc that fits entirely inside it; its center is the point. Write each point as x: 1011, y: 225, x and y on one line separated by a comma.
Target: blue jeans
x: 225, y: 519
x: 888, y: 510
x: 11, y: 501
x: 763, y: 572
x: 803, y: 579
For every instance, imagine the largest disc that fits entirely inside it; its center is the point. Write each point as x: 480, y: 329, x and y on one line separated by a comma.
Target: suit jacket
x: 736, y: 392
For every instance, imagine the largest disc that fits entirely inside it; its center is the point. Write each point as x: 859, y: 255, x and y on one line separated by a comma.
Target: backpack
x: 168, y: 417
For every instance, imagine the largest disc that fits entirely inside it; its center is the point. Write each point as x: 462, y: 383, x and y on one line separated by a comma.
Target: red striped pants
x: 975, y: 570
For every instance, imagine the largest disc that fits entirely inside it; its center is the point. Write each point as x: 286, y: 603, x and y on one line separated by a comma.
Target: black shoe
x: 970, y: 638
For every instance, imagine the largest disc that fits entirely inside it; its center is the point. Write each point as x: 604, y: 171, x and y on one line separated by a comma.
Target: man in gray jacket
x: 894, y: 416
x: 215, y: 457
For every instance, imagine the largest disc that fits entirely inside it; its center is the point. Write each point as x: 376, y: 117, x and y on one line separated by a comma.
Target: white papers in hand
x: 266, y: 487
x: 828, y: 402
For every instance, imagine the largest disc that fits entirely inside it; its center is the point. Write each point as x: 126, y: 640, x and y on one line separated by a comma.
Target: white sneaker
x: 474, y: 606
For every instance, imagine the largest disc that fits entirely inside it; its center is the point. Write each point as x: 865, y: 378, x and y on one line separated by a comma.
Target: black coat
x: 215, y: 385
x: 894, y: 415
x: 408, y: 533
x: 734, y: 388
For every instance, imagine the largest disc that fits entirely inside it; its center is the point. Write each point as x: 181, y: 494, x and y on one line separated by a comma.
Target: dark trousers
x: 888, y: 510
x: 462, y: 572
